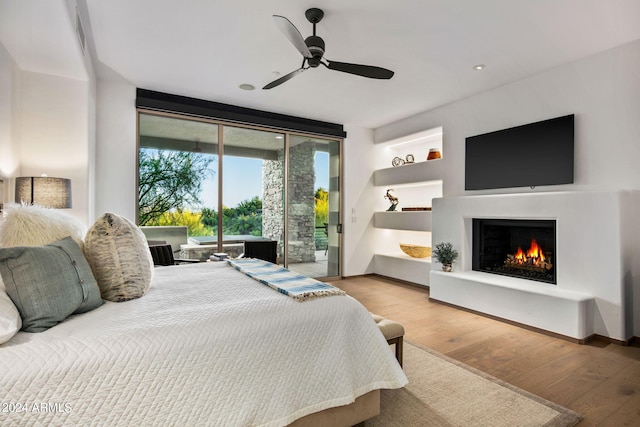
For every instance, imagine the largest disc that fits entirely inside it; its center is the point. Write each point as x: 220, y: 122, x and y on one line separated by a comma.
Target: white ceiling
x: 206, y: 49
x: 41, y: 37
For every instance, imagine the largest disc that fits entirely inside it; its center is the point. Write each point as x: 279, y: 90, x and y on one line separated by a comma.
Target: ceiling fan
x: 312, y: 50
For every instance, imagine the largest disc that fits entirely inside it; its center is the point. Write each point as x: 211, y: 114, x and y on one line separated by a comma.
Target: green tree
x: 210, y: 218
x: 193, y: 221
x: 322, y: 217
x: 322, y: 206
x: 246, y: 218
x: 169, y: 180
x: 249, y: 206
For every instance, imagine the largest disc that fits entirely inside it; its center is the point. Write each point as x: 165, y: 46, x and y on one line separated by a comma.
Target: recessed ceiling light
x: 479, y: 67
x: 279, y: 137
x: 246, y: 86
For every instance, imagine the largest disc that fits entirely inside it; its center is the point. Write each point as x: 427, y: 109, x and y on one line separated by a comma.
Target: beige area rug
x: 445, y: 392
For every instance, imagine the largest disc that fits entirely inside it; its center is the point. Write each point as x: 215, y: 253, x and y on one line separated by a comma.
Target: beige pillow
x: 119, y: 256
x: 33, y: 225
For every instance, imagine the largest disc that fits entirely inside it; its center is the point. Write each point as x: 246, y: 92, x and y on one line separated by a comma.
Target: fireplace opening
x: 515, y: 247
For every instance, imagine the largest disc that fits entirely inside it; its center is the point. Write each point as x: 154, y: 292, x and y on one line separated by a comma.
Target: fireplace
x: 515, y: 247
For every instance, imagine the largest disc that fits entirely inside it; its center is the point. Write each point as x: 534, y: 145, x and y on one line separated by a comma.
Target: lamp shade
x: 44, y: 191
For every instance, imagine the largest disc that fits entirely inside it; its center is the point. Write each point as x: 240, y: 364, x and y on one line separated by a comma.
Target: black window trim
x: 160, y: 101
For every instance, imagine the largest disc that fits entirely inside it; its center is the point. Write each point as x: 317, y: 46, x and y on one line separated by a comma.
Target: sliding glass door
x: 230, y: 184
x: 253, y: 188
x: 314, y: 220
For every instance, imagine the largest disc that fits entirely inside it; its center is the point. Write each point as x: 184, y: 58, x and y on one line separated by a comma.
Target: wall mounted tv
x: 530, y: 155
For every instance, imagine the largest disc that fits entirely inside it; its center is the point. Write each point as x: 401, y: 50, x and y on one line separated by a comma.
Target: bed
x: 206, y: 345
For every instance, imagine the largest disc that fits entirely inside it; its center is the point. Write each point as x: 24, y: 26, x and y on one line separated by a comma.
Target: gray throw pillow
x: 48, y: 283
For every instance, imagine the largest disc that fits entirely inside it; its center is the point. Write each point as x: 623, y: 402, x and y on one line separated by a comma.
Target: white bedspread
x: 206, y: 346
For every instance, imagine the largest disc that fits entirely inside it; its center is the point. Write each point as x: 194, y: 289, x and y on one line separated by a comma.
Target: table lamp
x: 44, y: 191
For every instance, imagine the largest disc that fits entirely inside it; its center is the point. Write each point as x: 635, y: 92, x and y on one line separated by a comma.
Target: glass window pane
x: 253, y: 188
x: 178, y: 181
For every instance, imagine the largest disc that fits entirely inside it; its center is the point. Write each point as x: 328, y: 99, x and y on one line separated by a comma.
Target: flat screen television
x: 530, y: 155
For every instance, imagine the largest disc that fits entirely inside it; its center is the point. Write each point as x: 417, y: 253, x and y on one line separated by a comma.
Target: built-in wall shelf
x: 413, y: 173
x: 407, y: 220
x: 413, y: 186
x: 403, y: 267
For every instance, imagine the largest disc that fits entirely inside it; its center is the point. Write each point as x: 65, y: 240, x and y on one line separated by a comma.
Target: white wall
x: 116, y: 156
x: 359, y: 204
x: 603, y: 91
x: 9, y: 120
x: 44, y: 129
x: 55, y: 133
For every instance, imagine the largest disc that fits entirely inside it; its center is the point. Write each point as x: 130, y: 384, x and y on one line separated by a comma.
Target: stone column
x: 301, y: 202
x: 273, y: 201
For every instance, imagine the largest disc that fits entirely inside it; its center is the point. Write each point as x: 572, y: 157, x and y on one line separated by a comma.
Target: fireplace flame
x: 534, y: 256
x: 535, y: 251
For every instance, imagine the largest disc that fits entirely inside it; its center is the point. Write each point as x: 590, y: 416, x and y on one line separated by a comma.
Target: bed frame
x: 364, y: 407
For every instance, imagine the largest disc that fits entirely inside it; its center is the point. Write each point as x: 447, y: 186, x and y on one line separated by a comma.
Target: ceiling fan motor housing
x: 314, y: 15
x: 316, y: 47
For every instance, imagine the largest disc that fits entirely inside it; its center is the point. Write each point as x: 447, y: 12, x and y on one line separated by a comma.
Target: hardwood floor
x: 599, y: 380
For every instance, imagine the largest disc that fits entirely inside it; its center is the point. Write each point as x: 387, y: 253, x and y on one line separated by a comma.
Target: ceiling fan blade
x: 292, y: 34
x: 360, y: 70
x: 284, y: 78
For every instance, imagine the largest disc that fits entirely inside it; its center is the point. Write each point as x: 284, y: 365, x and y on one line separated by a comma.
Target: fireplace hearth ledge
x: 597, y: 253
x: 569, y: 312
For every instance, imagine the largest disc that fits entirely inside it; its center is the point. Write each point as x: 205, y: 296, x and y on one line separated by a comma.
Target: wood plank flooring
x: 599, y: 380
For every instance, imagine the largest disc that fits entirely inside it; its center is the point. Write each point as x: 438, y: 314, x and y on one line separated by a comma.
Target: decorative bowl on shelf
x: 416, y: 251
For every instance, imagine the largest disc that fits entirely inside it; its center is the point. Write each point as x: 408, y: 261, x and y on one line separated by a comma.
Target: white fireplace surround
x: 595, y: 252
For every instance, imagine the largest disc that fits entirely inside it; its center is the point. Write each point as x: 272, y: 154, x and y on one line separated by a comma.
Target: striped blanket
x: 297, y: 286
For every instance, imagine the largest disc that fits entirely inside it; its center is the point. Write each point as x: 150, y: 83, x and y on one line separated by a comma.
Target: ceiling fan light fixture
x: 313, y: 49
x: 247, y: 86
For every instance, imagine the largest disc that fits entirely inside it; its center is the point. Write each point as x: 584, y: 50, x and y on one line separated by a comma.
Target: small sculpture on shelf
x: 397, y: 161
x: 392, y: 199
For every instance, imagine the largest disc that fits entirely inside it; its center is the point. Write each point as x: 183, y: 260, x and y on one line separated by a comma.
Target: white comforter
x: 206, y: 346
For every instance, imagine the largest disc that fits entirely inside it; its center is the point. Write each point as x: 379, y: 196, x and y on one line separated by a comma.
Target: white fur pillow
x: 32, y: 225
x: 10, y: 320
x: 119, y: 256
